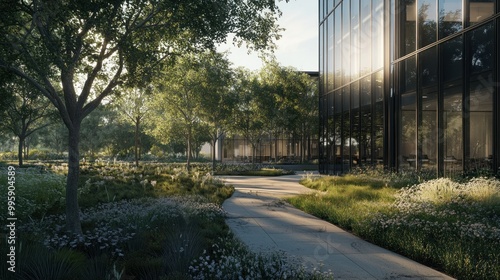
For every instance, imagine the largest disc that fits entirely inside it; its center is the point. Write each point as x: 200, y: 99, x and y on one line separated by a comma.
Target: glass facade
x: 409, y: 84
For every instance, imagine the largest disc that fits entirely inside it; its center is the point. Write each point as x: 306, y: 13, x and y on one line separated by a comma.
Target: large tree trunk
x: 73, y: 223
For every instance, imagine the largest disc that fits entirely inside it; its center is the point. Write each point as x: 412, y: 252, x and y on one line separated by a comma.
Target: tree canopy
x: 76, y: 53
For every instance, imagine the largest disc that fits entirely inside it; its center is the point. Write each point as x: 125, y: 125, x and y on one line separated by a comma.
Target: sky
x: 298, y: 46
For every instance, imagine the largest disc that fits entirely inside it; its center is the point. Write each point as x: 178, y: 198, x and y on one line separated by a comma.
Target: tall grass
x: 453, y: 226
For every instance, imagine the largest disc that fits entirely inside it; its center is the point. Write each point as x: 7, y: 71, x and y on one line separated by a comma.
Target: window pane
x: 428, y: 130
x: 346, y: 129
x: 378, y: 35
x: 409, y: 27
x: 408, y: 147
x: 481, y: 122
x: 408, y: 69
x: 330, y: 5
x: 356, y: 123
x: 450, y: 17
x: 366, y: 37
x: 330, y: 42
x: 337, y: 133
x: 428, y: 67
x: 379, y: 115
x: 355, y: 47
x: 452, y: 58
x: 321, y: 10
x: 427, y: 22
x: 452, y: 125
x: 480, y: 102
x: 365, y: 144
x: 482, y: 45
x: 427, y: 125
x: 346, y: 41
x: 338, y: 48
x: 479, y: 10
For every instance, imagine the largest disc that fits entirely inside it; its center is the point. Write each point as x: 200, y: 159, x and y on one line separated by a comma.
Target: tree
x: 179, y: 94
x: 217, y: 98
x: 92, y: 47
x: 26, y: 113
x: 135, y: 107
x: 249, y: 116
x: 172, y: 130
x: 288, y: 102
x: 98, y: 130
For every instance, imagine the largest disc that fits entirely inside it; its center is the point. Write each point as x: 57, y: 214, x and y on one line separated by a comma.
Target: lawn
x: 156, y: 221
x: 452, y: 226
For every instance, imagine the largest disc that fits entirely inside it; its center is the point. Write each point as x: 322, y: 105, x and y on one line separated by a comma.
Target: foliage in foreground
x: 452, y: 226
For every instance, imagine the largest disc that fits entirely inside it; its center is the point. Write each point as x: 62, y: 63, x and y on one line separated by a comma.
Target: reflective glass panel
x: 379, y: 116
x: 356, y: 123
x: 330, y: 42
x: 482, y: 48
x: 452, y: 125
x: 338, y: 48
x: 427, y: 22
x: 346, y: 128
x: 451, y: 53
x: 479, y: 151
x: 346, y: 41
x: 378, y: 35
x: 355, y: 50
x: 337, y: 133
x: 408, y: 19
x: 366, y: 37
x: 480, y: 10
x: 450, y: 17
x: 428, y: 65
x: 365, y: 144
x: 408, y: 128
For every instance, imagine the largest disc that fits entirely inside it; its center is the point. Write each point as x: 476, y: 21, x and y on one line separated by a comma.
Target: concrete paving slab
x: 260, y: 218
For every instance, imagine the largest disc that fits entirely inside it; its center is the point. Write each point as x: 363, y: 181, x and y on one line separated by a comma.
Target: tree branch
x: 115, y: 81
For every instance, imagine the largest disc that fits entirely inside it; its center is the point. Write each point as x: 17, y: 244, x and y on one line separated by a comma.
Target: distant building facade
x: 409, y: 84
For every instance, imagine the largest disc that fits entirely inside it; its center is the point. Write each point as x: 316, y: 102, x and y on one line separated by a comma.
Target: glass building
x: 409, y: 84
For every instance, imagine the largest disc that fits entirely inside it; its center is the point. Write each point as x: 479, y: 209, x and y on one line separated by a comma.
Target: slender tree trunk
x: 136, y: 152
x: 213, y: 154
x: 254, y: 150
x: 275, y: 148
x: 27, y: 149
x: 20, y: 151
x: 188, y: 162
x: 73, y: 223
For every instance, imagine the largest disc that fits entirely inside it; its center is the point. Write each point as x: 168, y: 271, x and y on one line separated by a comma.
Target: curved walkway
x: 259, y: 217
